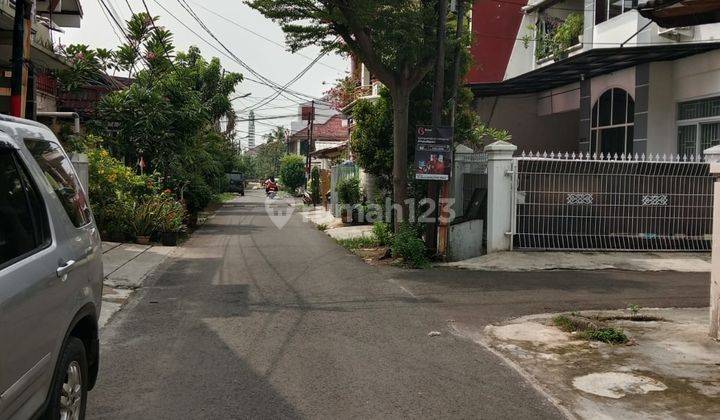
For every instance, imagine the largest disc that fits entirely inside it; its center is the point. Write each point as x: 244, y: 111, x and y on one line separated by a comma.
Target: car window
x: 24, y: 226
x: 59, y: 173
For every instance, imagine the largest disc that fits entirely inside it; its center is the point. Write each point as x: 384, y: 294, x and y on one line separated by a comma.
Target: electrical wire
x: 222, y: 52
x: 262, y: 36
x: 270, y: 83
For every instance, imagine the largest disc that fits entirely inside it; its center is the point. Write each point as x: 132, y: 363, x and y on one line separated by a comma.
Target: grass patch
x: 564, y: 323
x: 587, y: 329
x: 358, y: 243
x: 322, y: 227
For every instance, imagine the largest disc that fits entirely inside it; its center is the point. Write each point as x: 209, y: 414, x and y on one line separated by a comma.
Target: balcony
x: 556, y: 38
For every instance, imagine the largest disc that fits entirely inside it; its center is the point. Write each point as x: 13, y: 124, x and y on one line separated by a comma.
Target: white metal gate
x: 569, y: 202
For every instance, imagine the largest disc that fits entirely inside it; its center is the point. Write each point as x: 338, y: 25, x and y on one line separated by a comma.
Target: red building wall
x: 495, y: 26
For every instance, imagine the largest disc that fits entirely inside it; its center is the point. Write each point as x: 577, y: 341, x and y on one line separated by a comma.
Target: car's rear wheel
x: 68, y: 394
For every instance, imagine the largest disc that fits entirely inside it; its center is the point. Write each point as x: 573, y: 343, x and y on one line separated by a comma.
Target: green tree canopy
x: 170, y: 114
x: 292, y: 172
x: 395, y: 39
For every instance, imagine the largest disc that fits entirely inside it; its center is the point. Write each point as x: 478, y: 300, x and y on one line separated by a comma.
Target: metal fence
x: 621, y: 203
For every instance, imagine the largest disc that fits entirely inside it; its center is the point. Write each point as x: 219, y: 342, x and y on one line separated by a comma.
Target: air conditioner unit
x: 677, y: 33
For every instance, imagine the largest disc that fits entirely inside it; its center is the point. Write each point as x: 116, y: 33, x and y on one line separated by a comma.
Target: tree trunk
x: 401, y: 105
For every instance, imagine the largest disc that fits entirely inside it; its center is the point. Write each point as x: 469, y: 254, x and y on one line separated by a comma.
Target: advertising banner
x: 433, y: 153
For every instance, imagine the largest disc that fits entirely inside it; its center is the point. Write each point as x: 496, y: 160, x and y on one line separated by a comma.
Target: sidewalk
x: 125, y: 267
x: 667, y: 369
x: 336, y: 229
x: 697, y: 262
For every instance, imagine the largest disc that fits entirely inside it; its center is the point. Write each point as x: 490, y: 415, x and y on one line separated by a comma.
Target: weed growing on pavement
x: 587, y: 329
x: 606, y: 335
x: 564, y: 323
x: 634, y: 309
x: 322, y: 227
x: 358, y: 243
x: 410, y: 247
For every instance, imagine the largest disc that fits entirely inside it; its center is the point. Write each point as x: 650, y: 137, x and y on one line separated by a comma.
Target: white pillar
x: 712, y: 155
x: 82, y: 167
x: 500, y: 195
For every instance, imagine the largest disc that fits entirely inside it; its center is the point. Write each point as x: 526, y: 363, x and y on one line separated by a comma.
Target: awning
x: 676, y: 13
x: 595, y: 62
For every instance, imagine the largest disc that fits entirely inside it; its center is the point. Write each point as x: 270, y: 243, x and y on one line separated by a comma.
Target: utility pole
x: 22, y: 30
x: 457, y: 68
x: 251, y: 130
x: 311, y: 141
x: 443, y: 229
x: 437, y: 105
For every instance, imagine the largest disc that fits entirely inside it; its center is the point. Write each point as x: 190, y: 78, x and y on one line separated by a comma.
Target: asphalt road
x: 249, y: 321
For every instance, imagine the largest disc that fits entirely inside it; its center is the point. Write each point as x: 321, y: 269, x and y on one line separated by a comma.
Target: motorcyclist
x: 271, y: 186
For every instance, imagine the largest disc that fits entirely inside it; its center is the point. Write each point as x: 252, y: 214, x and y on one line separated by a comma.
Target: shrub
x: 349, y: 191
x: 408, y: 245
x: 315, y: 185
x: 292, y: 172
x: 197, y: 195
x: 113, y: 190
x: 382, y: 233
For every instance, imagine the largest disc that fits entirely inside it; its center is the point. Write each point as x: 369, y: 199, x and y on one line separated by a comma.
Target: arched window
x: 613, y: 118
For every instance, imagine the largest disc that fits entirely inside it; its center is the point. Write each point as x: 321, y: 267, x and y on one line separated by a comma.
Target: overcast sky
x: 272, y: 61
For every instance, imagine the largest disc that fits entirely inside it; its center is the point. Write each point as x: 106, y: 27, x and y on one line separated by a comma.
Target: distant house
x: 331, y: 134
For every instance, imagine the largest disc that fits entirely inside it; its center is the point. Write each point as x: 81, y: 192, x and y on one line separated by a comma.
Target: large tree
x: 395, y: 39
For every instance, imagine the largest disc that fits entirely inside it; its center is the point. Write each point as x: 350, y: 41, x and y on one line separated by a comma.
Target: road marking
x: 404, y: 289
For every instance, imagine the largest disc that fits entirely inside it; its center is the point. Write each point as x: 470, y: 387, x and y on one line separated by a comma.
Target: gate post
x: 712, y: 155
x: 500, y: 195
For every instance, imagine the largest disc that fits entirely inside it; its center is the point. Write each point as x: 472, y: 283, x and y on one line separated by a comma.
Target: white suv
x: 50, y: 278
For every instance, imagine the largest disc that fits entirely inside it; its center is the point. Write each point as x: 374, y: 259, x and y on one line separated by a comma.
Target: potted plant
x: 171, y: 222
x: 348, y: 196
x: 144, y: 220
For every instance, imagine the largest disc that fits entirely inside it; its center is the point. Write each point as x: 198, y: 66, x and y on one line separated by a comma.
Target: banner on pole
x: 433, y: 153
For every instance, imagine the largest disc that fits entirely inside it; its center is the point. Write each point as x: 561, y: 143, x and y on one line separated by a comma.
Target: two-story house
x: 595, y: 76
x: 49, y: 18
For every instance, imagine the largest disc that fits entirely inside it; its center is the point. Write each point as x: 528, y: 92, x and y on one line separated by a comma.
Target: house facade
x: 332, y: 133
x: 50, y: 17
x: 595, y: 76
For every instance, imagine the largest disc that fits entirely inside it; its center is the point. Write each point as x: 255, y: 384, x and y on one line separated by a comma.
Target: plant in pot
x: 144, y: 220
x: 171, y: 222
x: 348, y: 196
x: 567, y: 35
